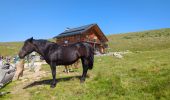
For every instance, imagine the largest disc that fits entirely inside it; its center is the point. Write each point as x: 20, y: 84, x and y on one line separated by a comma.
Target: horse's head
x: 27, y: 48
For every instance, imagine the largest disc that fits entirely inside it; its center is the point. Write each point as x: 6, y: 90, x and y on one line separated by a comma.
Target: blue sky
x: 21, y: 19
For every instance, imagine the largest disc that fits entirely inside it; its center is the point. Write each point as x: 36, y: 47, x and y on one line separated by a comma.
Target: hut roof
x: 81, y: 30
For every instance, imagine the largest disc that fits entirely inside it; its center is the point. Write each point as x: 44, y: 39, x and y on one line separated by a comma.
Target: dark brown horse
x: 55, y: 55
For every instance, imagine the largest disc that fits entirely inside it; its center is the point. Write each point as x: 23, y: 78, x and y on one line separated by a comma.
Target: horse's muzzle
x: 21, y: 55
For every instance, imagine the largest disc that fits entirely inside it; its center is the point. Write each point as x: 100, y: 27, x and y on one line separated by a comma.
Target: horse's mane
x: 43, y: 42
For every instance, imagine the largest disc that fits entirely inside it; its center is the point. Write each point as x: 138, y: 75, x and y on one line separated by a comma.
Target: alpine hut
x: 89, y: 33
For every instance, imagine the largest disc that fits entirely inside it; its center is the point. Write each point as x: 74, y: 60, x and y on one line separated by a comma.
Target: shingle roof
x: 74, y: 31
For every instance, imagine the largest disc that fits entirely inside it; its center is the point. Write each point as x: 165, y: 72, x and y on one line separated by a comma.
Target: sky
x: 44, y: 19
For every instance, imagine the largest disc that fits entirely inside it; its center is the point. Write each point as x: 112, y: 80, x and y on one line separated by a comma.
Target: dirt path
x: 29, y: 77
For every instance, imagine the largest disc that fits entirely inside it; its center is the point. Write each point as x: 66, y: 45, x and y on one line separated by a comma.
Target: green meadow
x: 140, y: 41
x: 10, y: 48
x: 142, y: 74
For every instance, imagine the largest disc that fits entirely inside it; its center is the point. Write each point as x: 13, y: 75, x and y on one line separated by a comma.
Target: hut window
x: 87, y: 38
x: 66, y: 41
x: 95, y: 39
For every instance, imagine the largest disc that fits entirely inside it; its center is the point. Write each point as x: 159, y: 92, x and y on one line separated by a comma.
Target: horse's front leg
x: 54, y: 81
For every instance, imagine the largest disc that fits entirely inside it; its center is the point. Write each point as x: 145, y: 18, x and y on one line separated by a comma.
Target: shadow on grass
x: 48, y: 81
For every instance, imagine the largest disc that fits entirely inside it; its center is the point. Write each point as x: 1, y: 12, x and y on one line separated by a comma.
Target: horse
x: 55, y: 55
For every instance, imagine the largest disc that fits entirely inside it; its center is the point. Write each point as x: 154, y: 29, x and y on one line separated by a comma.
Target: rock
x: 37, y: 67
x: 117, y: 55
x: 3, y: 93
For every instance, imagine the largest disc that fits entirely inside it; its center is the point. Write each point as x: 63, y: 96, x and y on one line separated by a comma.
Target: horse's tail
x: 91, y: 57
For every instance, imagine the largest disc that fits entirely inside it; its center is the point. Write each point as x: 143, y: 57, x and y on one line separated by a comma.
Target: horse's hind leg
x: 85, y: 69
x: 66, y: 69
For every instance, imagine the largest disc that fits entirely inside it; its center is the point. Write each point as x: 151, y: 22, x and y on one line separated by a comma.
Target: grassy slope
x: 10, y: 48
x: 136, y: 41
x: 140, y: 41
x: 142, y: 75
x: 138, y: 76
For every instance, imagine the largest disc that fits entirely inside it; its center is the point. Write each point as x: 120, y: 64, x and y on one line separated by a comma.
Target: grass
x: 10, y: 48
x: 142, y: 74
x: 138, y: 76
x: 140, y: 41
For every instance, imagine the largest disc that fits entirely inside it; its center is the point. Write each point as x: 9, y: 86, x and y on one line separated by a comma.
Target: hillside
x: 140, y: 41
x: 134, y: 41
x: 142, y: 75
x: 10, y: 48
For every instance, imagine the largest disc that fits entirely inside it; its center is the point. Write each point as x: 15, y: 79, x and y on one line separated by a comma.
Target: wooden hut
x: 89, y: 33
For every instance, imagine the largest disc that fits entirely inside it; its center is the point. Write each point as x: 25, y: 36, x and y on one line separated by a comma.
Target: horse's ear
x: 30, y: 39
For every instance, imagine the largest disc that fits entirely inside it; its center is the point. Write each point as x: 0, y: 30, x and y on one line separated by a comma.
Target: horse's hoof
x: 82, y: 81
x: 53, y: 86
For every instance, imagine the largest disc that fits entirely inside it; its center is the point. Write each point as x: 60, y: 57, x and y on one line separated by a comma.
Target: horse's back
x: 86, y: 48
x: 65, y: 55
